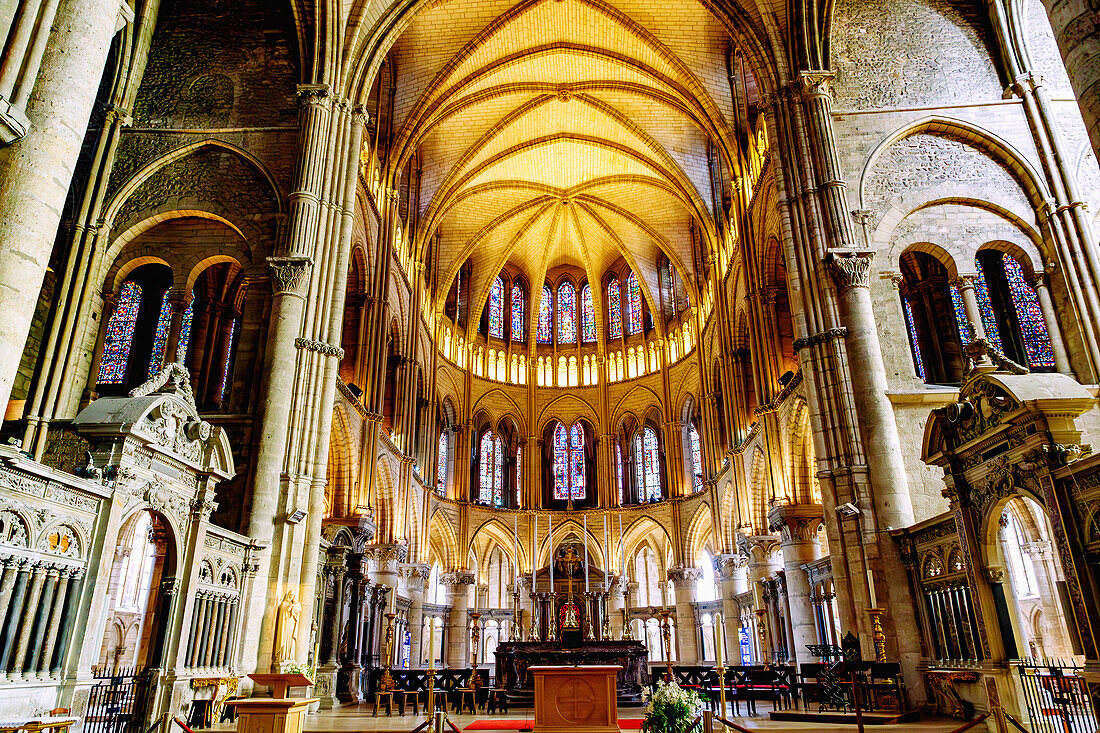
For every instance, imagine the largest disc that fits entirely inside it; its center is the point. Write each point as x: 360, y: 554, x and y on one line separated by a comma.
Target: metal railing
x: 118, y: 706
x: 1058, y: 698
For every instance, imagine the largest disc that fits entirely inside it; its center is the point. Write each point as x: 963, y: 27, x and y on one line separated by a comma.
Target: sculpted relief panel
x: 902, y: 54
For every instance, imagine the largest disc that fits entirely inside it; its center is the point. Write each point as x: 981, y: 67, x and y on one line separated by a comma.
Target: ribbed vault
x: 563, y: 133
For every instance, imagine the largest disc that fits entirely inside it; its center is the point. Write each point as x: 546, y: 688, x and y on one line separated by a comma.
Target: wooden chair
x: 496, y: 701
x: 58, y: 712
x: 408, y: 697
x: 465, y: 697
x: 199, y: 716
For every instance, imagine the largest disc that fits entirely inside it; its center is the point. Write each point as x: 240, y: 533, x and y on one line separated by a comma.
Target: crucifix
x: 569, y: 562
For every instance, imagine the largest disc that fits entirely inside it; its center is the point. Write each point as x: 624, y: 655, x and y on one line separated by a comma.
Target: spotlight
x: 848, y: 510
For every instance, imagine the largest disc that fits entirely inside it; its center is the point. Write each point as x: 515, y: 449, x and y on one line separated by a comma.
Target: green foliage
x: 671, y: 709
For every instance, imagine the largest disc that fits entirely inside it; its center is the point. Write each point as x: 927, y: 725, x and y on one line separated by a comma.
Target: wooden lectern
x: 576, y: 699
x: 278, y: 713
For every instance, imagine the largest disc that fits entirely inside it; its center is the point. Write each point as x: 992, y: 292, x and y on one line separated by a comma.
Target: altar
x: 515, y: 658
x: 575, y: 699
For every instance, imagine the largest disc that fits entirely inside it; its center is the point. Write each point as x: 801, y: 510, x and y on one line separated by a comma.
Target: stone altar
x: 515, y: 658
x: 576, y: 699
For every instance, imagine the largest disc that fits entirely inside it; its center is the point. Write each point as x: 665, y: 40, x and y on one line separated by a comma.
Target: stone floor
x: 358, y: 718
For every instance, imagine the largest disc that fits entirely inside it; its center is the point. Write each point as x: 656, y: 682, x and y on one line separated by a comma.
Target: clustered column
x: 797, y: 525
x: 37, y: 604
x: 213, y: 629
x: 458, y: 589
x: 683, y: 582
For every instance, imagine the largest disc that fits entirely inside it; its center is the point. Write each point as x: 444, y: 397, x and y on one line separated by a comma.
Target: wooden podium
x: 276, y: 714
x: 576, y: 699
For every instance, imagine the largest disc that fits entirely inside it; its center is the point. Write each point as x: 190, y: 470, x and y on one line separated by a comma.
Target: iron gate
x: 1058, y: 699
x: 119, y: 704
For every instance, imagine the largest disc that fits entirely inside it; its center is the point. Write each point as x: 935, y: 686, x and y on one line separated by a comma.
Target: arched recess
x: 342, y: 467
x: 757, y: 515
x: 700, y: 533
x: 443, y: 542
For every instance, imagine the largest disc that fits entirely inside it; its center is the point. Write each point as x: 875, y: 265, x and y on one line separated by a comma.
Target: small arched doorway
x: 138, y: 605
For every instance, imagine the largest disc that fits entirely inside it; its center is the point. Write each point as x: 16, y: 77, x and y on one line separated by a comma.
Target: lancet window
x: 496, y: 309
x: 441, y: 463
x: 546, y: 316
x: 696, y: 459
x: 569, y: 465
x: 567, y: 313
x: 588, y: 315
x: 634, y: 301
x: 647, y: 462
x: 614, y: 309
x: 491, y: 469
x: 517, y: 313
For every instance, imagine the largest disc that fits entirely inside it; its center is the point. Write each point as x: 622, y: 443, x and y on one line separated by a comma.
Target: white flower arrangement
x: 671, y: 709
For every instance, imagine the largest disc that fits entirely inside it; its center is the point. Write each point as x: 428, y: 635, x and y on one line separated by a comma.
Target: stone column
x: 616, y: 602
x: 1078, y: 34
x: 7, y: 585
x: 687, y: 629
x: 1050, y: 319
x: 76, y: 585
x: 733, y: 579
x: 177, y: 303
x: 458, y: 585
x: 797, y: 526
x: 30, y: 610
x: 416, y: 577
x: 45, y: 607
x: 59, y: 601
x: 762, y: 552
x: 965, y: 284
x: 36, y: 171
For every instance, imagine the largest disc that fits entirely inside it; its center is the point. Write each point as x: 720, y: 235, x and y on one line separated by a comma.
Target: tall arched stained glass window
x: 985, y: 307
x: 1010, y: 310
x: 160, y: 338
x: 546, y: 316
x: 1033, y: 328
x: 185, y: 332
x: 519, y: 472
x: 619, y: 469
x: 567, y: 313
x: 696, y: 459
x: 229, y: 357
x: 960, y: 315
x: 588, y: 315
x: 120, y: 332
x: 496, y: 309
x: 517, y: 313
x: 914, y: 342
x: 561, y: 462
x: 634, y: 303
x: 441, y: 463
x: 615, y: 310
x: 490, y: 469
x: 647, y: 462
x: 569, y: 468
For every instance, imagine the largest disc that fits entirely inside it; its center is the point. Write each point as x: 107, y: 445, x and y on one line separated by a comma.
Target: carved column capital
x: 684, y: 577
x: 457, y: 578
x: 796, y: 522
x: 851, y: 268
x: 758, y: 548
x: 727, y: 565
x: 288, y: 274
x: 314, y: 95
x: 815, y: 84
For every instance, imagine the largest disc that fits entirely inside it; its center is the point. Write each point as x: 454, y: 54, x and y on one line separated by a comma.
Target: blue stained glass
x: 519, y: 472
x: 634, y: 303
x: 652, y: 465
x: 614, y: 305
x: 496, y: 309
x: 588, y: 315
x: 164, y: 322
x: 960, y: 315
x: 567, y: 313
x: 441, y: 465
x: 576, y: 462
x: 619, y: 469
x: 546, y: 316
x: 696, y: 460
x: 485, y: 466
x: 498, y: 472
x: 517, y: 313
x: 229, y: 358
x: 913, y: 339
x: 985, y: 307
x: 1032, y: 326
x: 120, y: 333
x: 561, y: 461
x: 185, y: 333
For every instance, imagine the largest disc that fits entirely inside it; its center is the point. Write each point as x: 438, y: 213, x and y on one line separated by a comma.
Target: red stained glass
x: 588, y: 315
x: 615, y: 309
x: 634, y: 303
x: 567, y: 313
x: 496, y: 309
x: 546, y: 316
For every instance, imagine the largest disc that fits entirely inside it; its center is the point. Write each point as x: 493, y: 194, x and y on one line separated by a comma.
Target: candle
x: 606, y: 556
x: 622, y: 549
x: 515, y: 547
x: 393, y: 600
x: 585, y: 553
x: 550, y: 541
x: 718, y: 638
x: 534, y: 551
x: 431, y: 641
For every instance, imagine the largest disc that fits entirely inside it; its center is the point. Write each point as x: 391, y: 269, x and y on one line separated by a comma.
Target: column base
x: 325, y: 687
x: 348, y: 690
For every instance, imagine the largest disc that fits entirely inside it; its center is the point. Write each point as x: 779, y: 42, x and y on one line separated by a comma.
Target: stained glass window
x: 498, y: 471
x: 985, y: 307
x: 913, y: 339
x: 696, y: 460
x: 120, y: 332
x: 185, y: 332
x: 960, y: 315
x: 648, y: 465
x: 519, y: 472
x: 576, y: 462
x: 1033, y: 328
x: 485, y: 468
x: 615, y: 308
x: 567, y: 313
x: 229, y: 358
x: 546, y: 316
x: 634, y: 304
x: 588, y: 315
x: 160, y: 339
x: 619, y: 469
x: 496, y: 309
x: 441, y: 463
x: 561, y: 461
x: 517, y: 313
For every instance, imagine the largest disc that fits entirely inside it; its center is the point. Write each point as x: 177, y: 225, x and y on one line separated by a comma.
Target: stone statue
x: 286, y: 632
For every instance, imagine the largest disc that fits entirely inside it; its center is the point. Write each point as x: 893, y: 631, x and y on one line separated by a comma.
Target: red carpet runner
x: 504, y: 724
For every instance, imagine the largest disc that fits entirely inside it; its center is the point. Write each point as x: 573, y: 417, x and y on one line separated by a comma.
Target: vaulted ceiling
x: 563, y: 132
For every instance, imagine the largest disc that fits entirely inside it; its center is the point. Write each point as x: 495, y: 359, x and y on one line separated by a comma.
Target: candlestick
x: 534, y: 553
x: 515, y: 543
x: 719, y: 637
x: 431, y: 665
x: 586, y: 554
x: 606, y: 555
x: 550, y: 542
x: 622, y: 548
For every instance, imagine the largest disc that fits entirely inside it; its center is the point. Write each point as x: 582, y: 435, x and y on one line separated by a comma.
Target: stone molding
x: 394, y: 552
x: 820, y: 338
x: 684, y: 577
x: 456, y: 578
x: 289, y: 273
x: 757, y: 548
x: 319, y: 347
x: 851, y: 268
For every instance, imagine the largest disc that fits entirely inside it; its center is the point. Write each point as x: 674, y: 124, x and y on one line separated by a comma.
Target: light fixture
x: 848, y: 510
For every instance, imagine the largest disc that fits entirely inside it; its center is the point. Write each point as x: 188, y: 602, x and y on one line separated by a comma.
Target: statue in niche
x: 286, y: 632
x: 570, y: 615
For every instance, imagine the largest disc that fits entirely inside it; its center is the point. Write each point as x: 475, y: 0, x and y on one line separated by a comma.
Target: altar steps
x: 844, y: 718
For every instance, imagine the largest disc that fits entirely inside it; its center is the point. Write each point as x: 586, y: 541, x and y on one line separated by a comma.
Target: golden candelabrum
x: 720, y: 667
x: 386, y: 684
x: 431, y: 667
x: 877, y: 635
x: 588, y: 616
x: 552, y: 626
x: 762, y: 632
x: 533, y: 632
x: 517, y: 618
x: 605, y: 631
x: 475, y: 638
x: 628, y: 633
x: 666, y: 635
